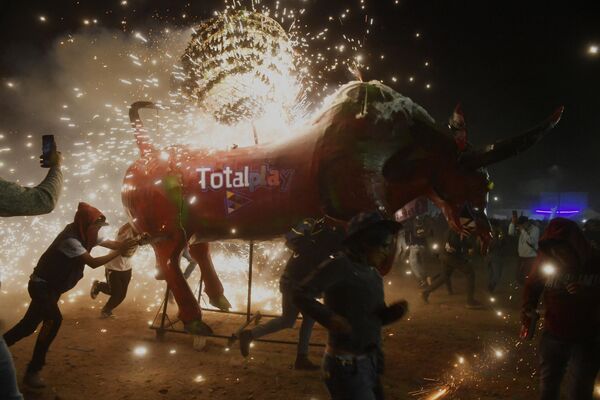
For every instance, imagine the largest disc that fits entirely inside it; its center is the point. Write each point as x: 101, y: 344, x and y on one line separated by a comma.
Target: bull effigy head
x: 401, y: 154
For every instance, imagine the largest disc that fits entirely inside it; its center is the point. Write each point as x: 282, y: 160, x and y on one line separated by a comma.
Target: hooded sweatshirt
x: 566, y: 257
x: 61, y: 266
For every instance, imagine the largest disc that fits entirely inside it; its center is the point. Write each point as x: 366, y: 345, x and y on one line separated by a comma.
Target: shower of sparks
x: 104, y: 73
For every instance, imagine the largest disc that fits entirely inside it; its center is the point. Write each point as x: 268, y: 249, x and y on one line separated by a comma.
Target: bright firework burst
x: 238, y: 65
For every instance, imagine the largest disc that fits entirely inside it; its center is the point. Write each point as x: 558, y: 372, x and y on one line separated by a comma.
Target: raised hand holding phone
x: 50, y: 157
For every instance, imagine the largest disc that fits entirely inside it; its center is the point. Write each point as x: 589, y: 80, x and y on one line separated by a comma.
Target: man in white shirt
x: 118, y: 273
x: 529, y: 235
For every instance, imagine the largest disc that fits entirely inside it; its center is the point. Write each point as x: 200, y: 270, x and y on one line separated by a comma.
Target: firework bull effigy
x: 369, y: 148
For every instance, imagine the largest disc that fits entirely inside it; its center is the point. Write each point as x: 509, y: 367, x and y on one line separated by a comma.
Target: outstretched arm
x: 392, y: 313
x: 95, y: 262
x: 327, y: 275
x: 16, y: 200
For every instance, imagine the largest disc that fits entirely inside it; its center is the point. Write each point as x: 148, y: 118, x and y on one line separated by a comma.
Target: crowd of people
x: 559, y: 262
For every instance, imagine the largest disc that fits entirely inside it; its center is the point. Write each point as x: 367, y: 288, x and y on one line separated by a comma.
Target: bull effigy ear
x: 507, y: 148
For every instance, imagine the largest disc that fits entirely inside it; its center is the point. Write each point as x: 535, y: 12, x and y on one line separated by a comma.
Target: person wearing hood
x: 567, y: 272
x: 57, y: 271
x: 353, y: 308
x: 16, y: 201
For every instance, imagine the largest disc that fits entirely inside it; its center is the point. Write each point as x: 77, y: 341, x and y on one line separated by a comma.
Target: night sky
x: 509, y: 63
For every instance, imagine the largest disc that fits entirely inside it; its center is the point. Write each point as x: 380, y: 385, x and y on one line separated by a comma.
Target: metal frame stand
x: 167, y: 324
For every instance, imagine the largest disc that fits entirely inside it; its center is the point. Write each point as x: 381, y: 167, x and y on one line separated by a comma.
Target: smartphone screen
x: 48, y: 147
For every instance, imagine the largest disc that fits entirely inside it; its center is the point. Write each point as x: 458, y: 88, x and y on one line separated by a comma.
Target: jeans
x: 9, y: 389
x: 494, y: 264
x: 449, y: 264
x: 287, y: 320
x: 115, y: 286
x: 43, y: 308
x: 580, y: 361
x: 524, y: 269
x: 415, y: 260
x: 352, y: 378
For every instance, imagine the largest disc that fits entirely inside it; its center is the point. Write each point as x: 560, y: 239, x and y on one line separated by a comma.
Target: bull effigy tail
x: 141, y: 134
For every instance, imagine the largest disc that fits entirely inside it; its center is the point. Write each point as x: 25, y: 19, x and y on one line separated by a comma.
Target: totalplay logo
x: 228, y: 178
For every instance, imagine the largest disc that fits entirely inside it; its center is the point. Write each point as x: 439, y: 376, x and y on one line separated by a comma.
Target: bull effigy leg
x: 200, y: 252
x: 168, y: 255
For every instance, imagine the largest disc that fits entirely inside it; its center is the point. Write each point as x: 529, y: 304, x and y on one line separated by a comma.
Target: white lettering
x: 229, y: 178
x: 213, y: 180
x: 238, y: 181
x: 227, y: 172
x: 203, y: 172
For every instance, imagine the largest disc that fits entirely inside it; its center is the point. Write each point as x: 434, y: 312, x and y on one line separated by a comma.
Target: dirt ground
x: 471, y: 354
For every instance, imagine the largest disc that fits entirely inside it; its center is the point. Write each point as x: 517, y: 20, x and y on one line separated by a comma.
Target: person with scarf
x: 15, y: 201
x: 58, y: 270
x: 567, y: 272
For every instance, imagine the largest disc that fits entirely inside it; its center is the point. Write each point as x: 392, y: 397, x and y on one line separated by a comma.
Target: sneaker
x: 33, y: 380
x: 425, y: 296
x: 474, y: 305
x: 304, y: 364
x: 245, y: 340
x: 198, y: 327
x: 221, y: 303
x: 106, y: 314
x: 94, y: 290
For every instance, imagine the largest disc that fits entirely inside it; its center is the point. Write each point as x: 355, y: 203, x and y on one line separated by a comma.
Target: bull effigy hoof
x: 220, y: 302
x: 198, y: 327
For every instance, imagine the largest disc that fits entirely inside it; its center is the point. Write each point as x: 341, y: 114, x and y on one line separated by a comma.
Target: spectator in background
x: 529, y: 235
x: 567, y: 272
x: 16, y: 200
x: 496, y: 256
x: 415, y: 236
x: 457, y: 255
x: 591, y: 230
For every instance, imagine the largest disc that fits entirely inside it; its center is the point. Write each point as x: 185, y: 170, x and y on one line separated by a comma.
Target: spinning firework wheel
x: 238, y: 63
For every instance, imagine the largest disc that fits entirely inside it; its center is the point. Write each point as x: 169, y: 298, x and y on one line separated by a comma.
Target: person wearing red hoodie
x: 58, y: 270
x: 567, y: 272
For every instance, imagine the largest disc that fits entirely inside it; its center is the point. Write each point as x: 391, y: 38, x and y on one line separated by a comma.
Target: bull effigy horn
x: 141, y: 135
x: 507, y: 148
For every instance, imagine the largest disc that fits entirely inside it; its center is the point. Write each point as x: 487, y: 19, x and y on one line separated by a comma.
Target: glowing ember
x: 140, y: 351
x: 548, y: 269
